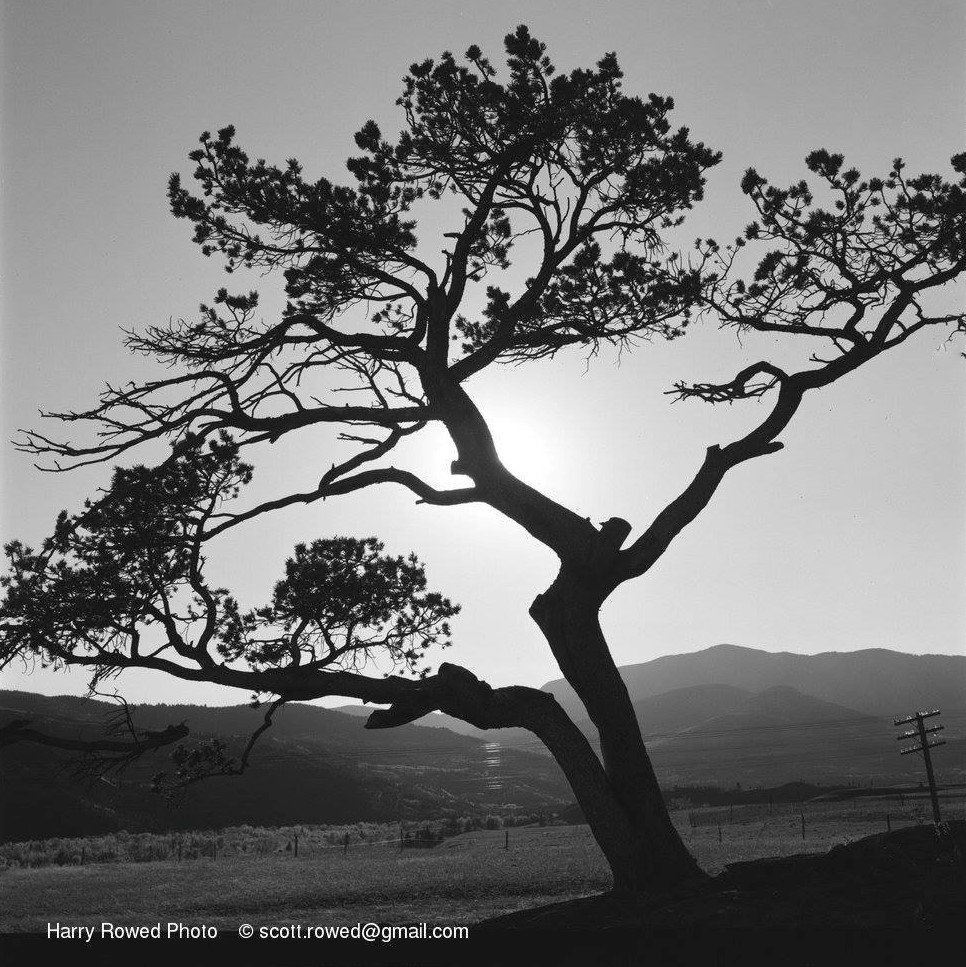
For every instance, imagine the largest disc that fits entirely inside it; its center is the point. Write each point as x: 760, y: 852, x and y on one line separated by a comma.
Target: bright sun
x: 527, y: 446
x: 524, y: 445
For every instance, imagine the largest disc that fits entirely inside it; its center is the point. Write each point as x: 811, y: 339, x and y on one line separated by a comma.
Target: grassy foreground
x: 463, y: 880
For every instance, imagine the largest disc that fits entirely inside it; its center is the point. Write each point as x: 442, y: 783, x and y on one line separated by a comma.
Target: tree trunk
x: 627, y: 851
x: 567, y: 614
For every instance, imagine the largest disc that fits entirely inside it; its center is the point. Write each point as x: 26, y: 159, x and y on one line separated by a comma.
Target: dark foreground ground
x: 896, y: 897
x: 913, y: 877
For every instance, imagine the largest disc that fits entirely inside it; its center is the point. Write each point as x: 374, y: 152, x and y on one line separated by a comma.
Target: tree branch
x: 147, y: 741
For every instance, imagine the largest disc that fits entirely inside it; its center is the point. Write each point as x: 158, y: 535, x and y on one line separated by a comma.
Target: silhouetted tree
x: 593, y: 176
x: 122, y: 584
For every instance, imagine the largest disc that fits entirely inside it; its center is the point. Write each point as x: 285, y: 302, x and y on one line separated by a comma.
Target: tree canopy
x: 567, y: 159
x: 129, y: 568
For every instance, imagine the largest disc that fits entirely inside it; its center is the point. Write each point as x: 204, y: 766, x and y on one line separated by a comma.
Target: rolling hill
x: 875, y: 681
x: 678, y: 709
x: 314, y: 766
x: 722, y: 716
x: 699, y: 689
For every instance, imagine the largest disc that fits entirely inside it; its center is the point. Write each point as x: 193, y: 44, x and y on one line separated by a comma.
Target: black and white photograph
x: 482, y: 482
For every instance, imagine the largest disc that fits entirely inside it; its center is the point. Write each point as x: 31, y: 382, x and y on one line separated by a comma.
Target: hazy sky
x: 852, y: 537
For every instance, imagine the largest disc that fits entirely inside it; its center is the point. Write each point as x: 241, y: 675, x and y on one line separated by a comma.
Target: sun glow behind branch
x: 528, y: 444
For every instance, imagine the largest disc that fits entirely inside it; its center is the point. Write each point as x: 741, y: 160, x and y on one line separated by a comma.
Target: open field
x: 462, y: 880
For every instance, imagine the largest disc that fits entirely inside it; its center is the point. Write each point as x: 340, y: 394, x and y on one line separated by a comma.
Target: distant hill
x: 780, y: 734
x: 875, y: 681
x: 314, y: 766
x: 723, y: 716
x: 291, y: 722
x: 678, y: 709
x: 725, y: 735
x: 726, y: 710
x: 679, y: 691
x: 780, y: 706
x: 361, y: 711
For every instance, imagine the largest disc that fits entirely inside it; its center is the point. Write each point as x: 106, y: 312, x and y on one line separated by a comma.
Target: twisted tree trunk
x: 618, y: 791
x: 621, y: 800
x: 567, y: 614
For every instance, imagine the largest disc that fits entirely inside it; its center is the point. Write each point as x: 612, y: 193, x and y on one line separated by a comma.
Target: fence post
x: 180, y: 844
x: 888, y: 823
x: 803, y: 826
x: 506, y: 842
x: 296, y: 847
x: 719, y: 832
x: 400, y: 836
x: 83, y: 855
x: 345, y: 845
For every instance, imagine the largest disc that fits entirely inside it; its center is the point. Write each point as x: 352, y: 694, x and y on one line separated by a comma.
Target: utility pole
x: 921, y: 735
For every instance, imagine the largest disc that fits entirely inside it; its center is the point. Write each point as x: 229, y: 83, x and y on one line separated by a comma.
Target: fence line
x: 811, y: 821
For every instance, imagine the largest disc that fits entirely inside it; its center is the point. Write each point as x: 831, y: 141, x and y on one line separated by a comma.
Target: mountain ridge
x: 896, y: 684
x: 776, y: 717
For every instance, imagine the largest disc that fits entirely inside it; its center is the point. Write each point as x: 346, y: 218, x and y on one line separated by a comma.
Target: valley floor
x: 461, y: 881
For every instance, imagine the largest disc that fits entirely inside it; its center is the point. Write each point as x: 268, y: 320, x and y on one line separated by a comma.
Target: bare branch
x: 146, y: 741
